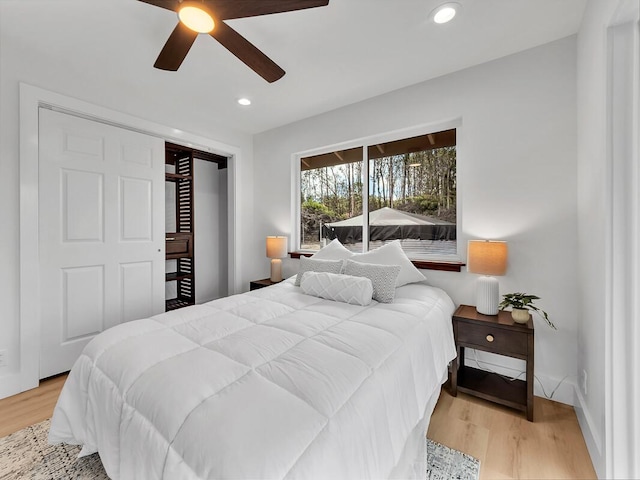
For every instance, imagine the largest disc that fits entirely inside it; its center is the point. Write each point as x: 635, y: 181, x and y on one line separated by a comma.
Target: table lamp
x: 488, y: 258
x: 276, y: 249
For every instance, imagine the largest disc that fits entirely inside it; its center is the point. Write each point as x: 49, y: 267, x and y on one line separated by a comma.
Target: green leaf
x: 524, y: 301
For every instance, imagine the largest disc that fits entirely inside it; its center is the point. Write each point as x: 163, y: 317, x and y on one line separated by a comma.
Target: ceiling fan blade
x: 228, y: 9
x: 168, y: 4
x: 176, y: 48
x: 247, y: 52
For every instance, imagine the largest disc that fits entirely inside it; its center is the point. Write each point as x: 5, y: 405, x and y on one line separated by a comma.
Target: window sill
x: 422, y: 264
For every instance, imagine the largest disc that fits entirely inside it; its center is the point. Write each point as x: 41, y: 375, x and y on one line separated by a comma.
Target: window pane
x: 412, y: 194
x: 331, y: 194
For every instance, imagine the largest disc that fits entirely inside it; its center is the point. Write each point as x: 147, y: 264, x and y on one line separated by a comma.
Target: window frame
x: 437, y: 262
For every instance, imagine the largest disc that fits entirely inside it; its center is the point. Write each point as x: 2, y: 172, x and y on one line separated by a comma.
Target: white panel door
x: 101, y: 232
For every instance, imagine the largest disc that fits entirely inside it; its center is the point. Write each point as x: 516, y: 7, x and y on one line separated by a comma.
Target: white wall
x: 592, y: 214
x: 605, y: 417
x: 211, y: 230
x: 19, y: 64
x: 516, y: 177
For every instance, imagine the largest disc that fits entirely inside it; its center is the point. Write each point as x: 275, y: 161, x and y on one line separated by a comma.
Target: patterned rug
x: 26, y: 455
x: 444, y: 463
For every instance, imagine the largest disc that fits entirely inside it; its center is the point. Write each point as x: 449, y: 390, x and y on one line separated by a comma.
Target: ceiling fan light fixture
x: 210, y: 16
x: 196, y: 16
x: 445, y: 12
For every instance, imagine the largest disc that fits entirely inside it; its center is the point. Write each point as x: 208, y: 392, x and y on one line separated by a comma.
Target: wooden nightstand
x: 500, y: 335
x: 256, y: 284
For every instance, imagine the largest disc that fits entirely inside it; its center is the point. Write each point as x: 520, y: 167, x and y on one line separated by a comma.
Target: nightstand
x: 256, y: 284
x: 497, y: 334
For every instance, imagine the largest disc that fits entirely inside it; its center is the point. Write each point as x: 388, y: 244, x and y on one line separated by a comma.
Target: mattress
x: 267, y: 384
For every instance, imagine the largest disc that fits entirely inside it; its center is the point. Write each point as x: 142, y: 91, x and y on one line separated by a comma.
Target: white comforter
x: 268, y: 384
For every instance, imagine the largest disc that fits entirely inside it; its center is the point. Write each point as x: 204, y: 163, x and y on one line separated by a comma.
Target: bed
x: 273, y: 383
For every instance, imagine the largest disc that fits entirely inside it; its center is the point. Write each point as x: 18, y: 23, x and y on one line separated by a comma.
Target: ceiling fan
x: 207, y: 16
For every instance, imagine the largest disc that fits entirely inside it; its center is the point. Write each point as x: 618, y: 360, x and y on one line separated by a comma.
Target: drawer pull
x: 170, y: 239
x: 489, y: 338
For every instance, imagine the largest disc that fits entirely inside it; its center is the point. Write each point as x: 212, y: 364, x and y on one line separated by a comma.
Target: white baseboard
x: 14, y: 383
x: 590, y: 434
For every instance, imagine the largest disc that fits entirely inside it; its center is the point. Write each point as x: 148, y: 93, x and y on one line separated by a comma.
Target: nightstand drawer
x: 498, y: 340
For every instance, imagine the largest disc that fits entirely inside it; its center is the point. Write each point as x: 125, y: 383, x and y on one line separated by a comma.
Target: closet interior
x: 195, y: 193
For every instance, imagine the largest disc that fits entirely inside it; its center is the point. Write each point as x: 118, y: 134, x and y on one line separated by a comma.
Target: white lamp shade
x: 276, y: 247
x: 487, y: 257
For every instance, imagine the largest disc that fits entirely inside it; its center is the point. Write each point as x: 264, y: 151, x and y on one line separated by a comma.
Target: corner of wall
x: 590, y: 434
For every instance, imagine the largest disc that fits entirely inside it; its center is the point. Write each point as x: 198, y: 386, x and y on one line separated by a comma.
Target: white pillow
x: 383, y: 278
x: 315, y: 265
x: 334, y: 251
x: 392, y: 254
x: 340, y: 288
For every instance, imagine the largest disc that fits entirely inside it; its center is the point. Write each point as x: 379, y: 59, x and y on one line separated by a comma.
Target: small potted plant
x: 520, y: 304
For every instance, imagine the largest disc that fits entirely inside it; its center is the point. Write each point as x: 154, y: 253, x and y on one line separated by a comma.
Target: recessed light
x: 245, y: 102
x: 445, y: 12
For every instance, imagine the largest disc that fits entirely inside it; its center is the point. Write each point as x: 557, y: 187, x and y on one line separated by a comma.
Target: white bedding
x: 268, y: 384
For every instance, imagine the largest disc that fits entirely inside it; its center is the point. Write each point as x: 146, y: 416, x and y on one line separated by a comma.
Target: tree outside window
x: 411, y: 187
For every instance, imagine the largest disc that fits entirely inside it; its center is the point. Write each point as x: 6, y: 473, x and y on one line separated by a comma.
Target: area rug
x: 444, y: 463
x: 26, y: 455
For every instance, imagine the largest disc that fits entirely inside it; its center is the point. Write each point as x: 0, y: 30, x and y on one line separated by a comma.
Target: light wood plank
x: 32, y: 406
x: 509, y: 446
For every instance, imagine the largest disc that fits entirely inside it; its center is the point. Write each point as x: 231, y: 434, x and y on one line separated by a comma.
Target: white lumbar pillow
x: 336, y: 287
x: 392, y: 254
x: 334, y: 251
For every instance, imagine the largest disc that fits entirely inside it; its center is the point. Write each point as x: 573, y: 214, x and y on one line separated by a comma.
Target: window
x: 410, y: 190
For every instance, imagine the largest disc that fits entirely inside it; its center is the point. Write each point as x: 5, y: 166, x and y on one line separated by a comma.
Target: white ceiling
x: 346, y: 52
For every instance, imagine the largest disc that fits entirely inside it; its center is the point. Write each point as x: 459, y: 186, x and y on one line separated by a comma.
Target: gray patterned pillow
x: 383, y: 278
x: 314, y: 265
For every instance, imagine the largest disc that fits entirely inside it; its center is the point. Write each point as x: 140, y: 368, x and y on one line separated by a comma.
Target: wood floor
x: 32, y: 406
x: 507, y: 445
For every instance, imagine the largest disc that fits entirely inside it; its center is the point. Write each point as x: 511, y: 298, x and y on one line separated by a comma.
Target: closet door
x: 101, y: 232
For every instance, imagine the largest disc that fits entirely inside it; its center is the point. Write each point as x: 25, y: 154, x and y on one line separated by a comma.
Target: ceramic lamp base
x: 487, y: 295
x: 276, y: 270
